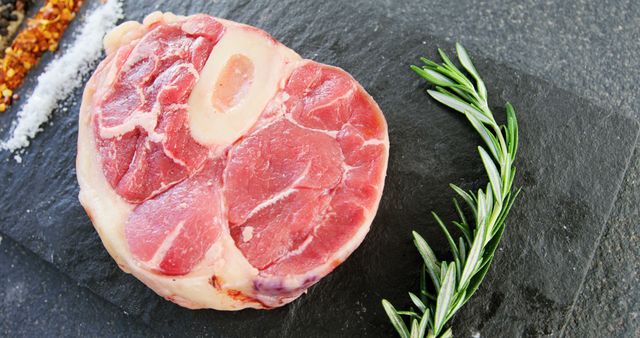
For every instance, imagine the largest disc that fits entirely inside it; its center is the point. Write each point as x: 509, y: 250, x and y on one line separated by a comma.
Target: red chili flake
x: 42, y: 34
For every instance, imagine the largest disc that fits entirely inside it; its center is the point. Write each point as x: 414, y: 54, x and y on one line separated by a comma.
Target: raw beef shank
x: 222, y: 169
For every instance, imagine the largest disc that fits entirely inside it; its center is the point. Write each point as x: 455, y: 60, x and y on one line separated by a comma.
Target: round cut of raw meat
x: 222, y: 169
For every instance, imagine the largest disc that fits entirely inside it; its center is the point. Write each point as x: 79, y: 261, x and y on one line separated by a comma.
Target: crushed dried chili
x: 43, y: 32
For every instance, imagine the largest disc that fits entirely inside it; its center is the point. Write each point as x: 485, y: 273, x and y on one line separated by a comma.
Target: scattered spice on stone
x: 62, y: 76
x: 42, y: 34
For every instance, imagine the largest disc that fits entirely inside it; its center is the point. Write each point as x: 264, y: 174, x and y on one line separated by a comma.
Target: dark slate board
x: 29, y: 303
x: 572, y: 159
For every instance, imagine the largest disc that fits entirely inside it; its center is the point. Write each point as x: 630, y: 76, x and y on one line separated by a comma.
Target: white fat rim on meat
x: 109, y: 213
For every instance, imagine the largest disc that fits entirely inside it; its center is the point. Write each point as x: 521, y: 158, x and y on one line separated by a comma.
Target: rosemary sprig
x: 482, y: 224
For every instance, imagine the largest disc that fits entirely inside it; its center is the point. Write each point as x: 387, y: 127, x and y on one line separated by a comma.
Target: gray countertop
x: 587, y: 47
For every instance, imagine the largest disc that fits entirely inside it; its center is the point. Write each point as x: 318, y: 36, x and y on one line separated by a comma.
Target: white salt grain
x: 63, y: 75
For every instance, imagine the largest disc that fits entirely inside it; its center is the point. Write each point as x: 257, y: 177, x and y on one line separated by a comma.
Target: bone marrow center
x: 234, y: 82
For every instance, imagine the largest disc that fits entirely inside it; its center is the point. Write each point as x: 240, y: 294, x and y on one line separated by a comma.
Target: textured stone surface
x: 609, y: 304
x: 585, y: 46
x: 570, y: 177
x: 37, y: 301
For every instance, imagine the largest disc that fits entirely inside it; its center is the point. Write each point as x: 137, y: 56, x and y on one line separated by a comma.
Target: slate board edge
x: 600, y: 235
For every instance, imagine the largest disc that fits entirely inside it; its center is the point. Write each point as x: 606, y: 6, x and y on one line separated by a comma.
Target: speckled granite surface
x: 585, y: 47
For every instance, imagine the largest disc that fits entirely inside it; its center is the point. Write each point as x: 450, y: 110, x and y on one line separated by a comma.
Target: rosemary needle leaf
x: 461, y: 299
x: 461, y: 94
x: 427, y: 74
x: 424, y: 324
x: 472, y: 260
x: 465, y: 60
x: 447, y: 334
x: 509, y: 128
x: 474, y: 284
x: 434, y: 77
x: 482, y: 209
x: 464, y: 94
x: 415, y: 329
x: 456, y: 103
x: 463, y: 250
x: 489, y: 140
x: 408, y: 314
x: 443, y: 272
x: 492, y: 171
x: 452, y: 71
x: 446, y: 59
x: 463, y: 219
x: 430, y: 261
x: 466, y: 197
x: 444, y: 298
x: 465, y: 231
x: 512, y: 123
x: 452, y: 244
x: 395, y: 319
x: 418, y: 303
x: 507, y: 207
x: 429, y: 63
x: 512, y: 176
x: 425, y: 250
x: 427, y: 295
x: 493, y: 243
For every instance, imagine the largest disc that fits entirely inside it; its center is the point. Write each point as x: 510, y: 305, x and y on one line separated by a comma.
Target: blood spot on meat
x: 214, y: 282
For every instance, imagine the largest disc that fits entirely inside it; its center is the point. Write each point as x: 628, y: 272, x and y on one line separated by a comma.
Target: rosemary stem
x: 455, y: 282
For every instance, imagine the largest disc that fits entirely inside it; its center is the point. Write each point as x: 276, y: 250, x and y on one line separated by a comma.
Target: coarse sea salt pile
x: 62, y: 76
